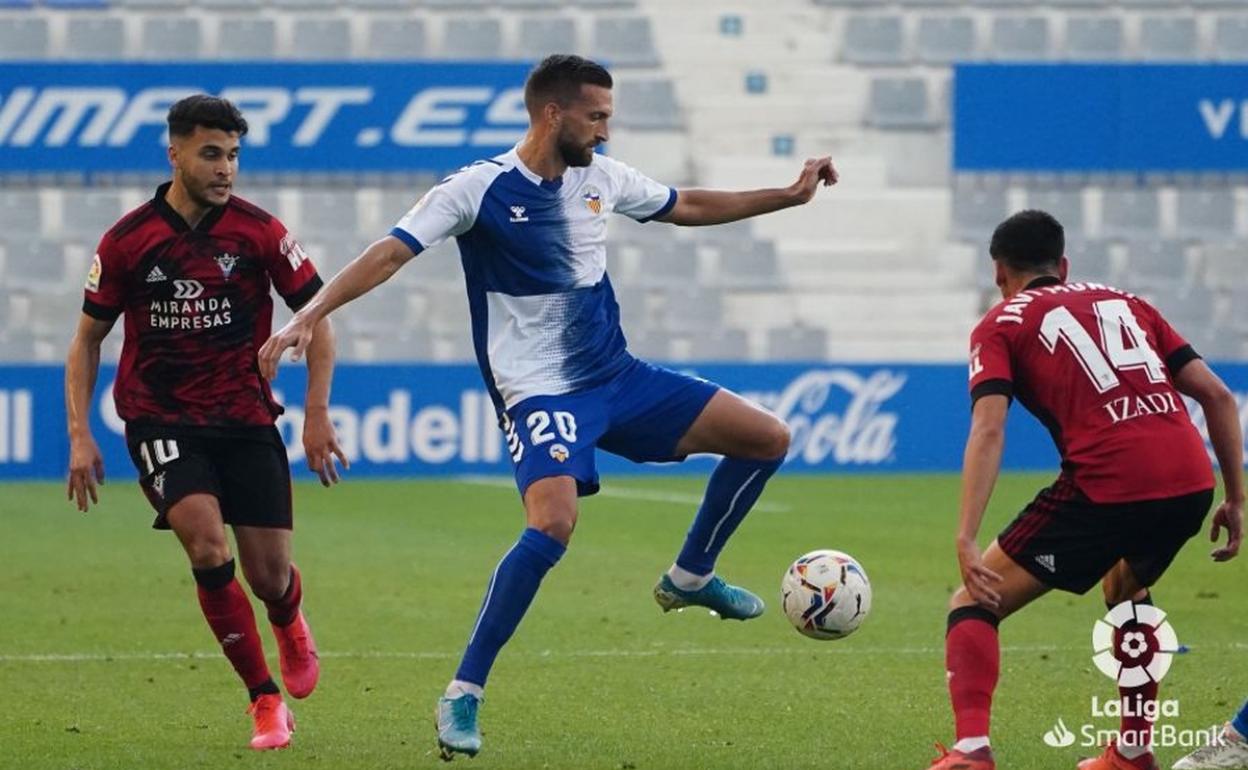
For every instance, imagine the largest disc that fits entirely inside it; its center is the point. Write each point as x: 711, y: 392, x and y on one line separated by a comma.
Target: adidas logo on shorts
x: 1047, y: 561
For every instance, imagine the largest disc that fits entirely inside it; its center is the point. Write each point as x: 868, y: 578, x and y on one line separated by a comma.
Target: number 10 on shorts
x: 156, y: 453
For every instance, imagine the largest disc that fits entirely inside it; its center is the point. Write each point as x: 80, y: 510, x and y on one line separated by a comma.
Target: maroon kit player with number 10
x: 191, y: 271
x: 1103, y: 371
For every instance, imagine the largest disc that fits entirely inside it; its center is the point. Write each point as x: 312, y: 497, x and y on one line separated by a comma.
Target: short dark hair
x: 559, y: 78
x: 1029, y: 241
x: 207, y: 111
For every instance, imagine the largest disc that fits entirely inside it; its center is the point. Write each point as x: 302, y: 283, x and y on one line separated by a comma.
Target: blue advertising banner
x: 431, y: 420
x: 304, y: 117
x: 1100, y: 118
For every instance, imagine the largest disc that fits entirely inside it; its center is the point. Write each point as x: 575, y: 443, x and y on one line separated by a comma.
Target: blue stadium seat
x: 72, y: 4
x: 625, y: 41
x: 95, y: 38
x: 1230, y: 38
x: 399, y: 37
x: 797, y: 343
x: 171, y: 38
x: 153, y: 5
x: 24, y: 38
x: 1093, y: 38
x: 472, y: 38
x: 874, y: 39
x: 321, y: 38
x: 899, y: 102
x: 1129, y: 214
x: 1020, y: 38
x: 541, y: 36
x: 19, y: 4
x: 946, y: 39
x: 1167, y: 38
x: 1206, y: 214
x: 247, y: 38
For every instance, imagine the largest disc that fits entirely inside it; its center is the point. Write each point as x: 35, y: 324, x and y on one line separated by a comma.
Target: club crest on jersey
x: 517, y: 214
x: 94, y: 274
x: 226, y: 262
x: 559, y: 452
x: 593, y: 199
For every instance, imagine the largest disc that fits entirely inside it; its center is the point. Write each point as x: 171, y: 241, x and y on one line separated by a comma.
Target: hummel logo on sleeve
x: 517, y: 214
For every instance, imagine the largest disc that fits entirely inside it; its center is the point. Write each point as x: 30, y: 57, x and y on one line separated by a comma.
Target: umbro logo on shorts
x: 1047, y: 561
x: 156, y: 275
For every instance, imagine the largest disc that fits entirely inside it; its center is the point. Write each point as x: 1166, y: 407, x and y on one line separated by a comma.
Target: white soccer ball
x: 826, y: 594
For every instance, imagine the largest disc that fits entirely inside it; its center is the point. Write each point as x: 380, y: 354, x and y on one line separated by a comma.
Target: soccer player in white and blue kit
x: 531, y: 228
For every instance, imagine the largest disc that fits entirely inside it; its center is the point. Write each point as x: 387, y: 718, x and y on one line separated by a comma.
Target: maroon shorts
x: 1069, y: 542
x: 244, y: 468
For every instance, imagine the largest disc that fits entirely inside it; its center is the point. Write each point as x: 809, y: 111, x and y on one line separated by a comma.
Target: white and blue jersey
x: 544, y: 317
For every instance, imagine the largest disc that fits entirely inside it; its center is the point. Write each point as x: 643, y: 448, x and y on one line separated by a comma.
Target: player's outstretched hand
x: 1231, y: 516
x: 978, y: 579
x: 814, y: 172
x: 320, y: 444
x: 86, y: 471
x: 296, y: 334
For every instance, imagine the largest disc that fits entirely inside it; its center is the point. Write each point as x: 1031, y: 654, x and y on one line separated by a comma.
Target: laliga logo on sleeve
x: 1134, y: 644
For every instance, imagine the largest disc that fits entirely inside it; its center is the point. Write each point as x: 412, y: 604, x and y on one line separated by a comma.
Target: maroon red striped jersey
x: 1096, y: 366
x: 197, y: 309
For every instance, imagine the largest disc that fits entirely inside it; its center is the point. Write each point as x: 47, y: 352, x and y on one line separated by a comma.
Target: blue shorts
x: 641, y: 414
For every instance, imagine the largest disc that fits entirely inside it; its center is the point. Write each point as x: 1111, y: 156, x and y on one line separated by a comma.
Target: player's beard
x: 574, y: 153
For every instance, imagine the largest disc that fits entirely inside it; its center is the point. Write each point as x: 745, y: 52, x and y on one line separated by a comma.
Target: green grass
x: 596, y: 677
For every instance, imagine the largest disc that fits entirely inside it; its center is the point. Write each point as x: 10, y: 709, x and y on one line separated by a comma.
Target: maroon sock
x: 230, y: 616
x: 973, y: 662
x: 1136, y: 731
x: 283, y: 611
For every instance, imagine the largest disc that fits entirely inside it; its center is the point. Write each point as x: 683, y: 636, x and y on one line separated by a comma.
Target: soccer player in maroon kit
x: 1102, y: 370
x: 191, y: 270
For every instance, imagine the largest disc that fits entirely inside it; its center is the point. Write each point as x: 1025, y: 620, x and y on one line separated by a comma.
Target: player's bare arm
x: 1198, y: 381
x: 82, y: 366
x: 371, y: 269
x: 320, y: 444
x: 714, y: 207
x: 980, y: 466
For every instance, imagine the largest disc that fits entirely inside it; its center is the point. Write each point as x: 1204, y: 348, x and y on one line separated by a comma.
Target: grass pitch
x: 105, y: 661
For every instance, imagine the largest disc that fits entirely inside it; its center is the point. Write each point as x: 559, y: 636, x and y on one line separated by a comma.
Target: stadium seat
x: 1187, y: 308
x: 88, y: 214
x: 1230, y: 38
x: 75, y: 4
x: 17, y: 345
x: 381, y: 5
x: 36, y: 265
x: 243, y: 38
x: 721, y: 345
x: 540, y: 35
x: 1206, y: 214
x: 327, y: 212
x: 646, y: 104
x: 21, y: 213
x: 1153, y: 3
x: 650, y: 344
x: 946, y: 39
x: 976, y: 213
x: 152, y: 5
x: 1064, y: 204
x: 472, y: 38
x: 1020, y: 38
x: 874, y: 40
x: 321, y: 38
x: 1167, y: 38
x: 95, y: 38
x: 1093, y: 38
x: 667, y: 264
x: 530, y: 4
x: 456, y: 5
x: 599, y: 4
x: 1129, y: 214
x: 899, y: 103
x: 171, y: 38
x: 304, y: 5
x: 23, y: 38
x: 748, y: 264
x: 229, y: 5
x: 1091, y: 260
x: 928, y: 3
x: 1156, y: 263
x: 797, y: 343
x: 693, y: 309
x: 625, y: 41
x: 1224, y: 264
x: 398, y: 37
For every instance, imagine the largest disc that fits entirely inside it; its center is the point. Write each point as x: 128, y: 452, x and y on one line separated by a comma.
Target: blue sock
x: 511, y: 591
x: 1240, y: 722
x: 733, y: 489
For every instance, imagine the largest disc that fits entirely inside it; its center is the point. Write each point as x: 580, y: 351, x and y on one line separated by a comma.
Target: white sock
x: 686, y: 580
x: 460, y: 687
x: 967, y: 745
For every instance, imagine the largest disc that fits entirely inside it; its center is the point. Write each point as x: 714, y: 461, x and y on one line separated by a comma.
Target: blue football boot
x: 456, y: 720
x: 728, y: 601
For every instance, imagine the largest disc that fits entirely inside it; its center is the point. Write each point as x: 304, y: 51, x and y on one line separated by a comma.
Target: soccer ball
x: 826, y: 594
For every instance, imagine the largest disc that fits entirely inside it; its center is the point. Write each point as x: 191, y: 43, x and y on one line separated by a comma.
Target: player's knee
x: 775, y: 440
x: 268, y: 582
x: 558, y: 526
x: 206, y: 551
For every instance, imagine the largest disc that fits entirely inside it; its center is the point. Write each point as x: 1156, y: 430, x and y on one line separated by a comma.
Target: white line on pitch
x: 627, y: 493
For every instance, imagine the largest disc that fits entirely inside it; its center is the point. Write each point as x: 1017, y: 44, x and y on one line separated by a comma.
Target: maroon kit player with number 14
x: 191, y: 271
x: 1103, y: 371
